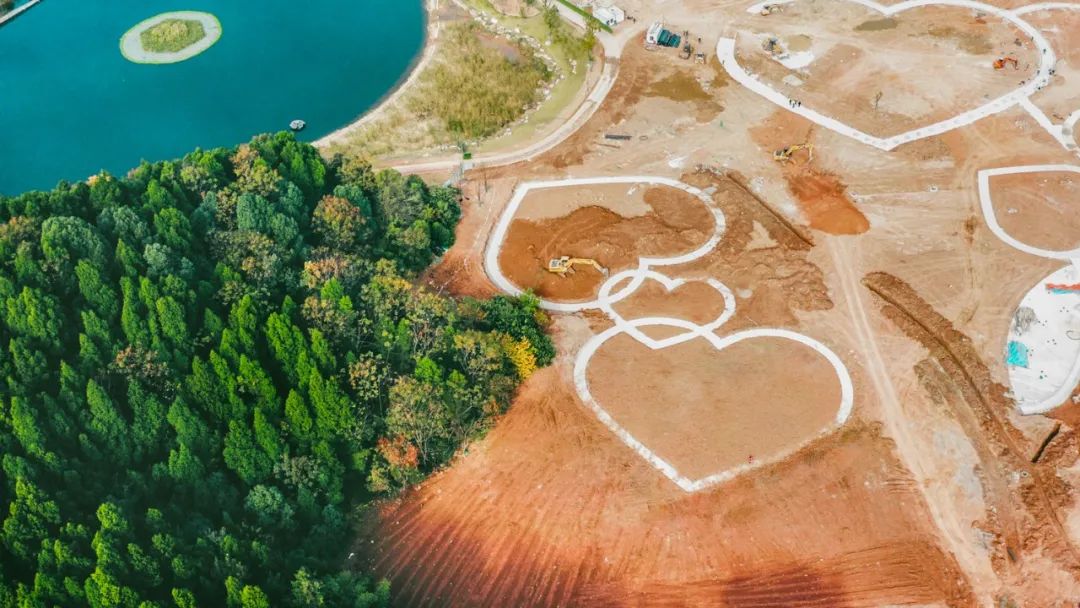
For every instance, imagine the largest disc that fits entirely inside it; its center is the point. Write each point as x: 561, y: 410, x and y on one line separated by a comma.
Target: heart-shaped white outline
x: 637, y: 278
x: 498, y: 235
x: 606, y: 299
x: 725, y: 52
x: 581, y: 383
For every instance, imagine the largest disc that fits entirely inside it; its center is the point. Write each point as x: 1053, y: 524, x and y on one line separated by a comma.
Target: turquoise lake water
x: 71, y: 105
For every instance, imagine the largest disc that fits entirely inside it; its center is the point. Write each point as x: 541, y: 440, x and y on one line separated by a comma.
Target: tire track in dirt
x: 551, y: 511
x: 949, y: 524
x: 954, y: 352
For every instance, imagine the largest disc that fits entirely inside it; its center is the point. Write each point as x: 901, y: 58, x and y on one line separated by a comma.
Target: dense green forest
x: 212, y: 364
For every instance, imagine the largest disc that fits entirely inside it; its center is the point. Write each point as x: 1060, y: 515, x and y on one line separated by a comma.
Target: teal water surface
x: 71, y: 105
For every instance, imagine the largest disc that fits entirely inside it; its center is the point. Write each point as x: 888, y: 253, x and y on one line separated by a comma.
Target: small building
x: 652, y: 36
x: 609, y: 14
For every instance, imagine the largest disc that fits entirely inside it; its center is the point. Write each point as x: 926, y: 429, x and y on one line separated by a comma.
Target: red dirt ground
x: 694, y: 301
x: 838, y: 525
x: 705, y: 411
x: 822, y: 197
x: 1040, y: 209
x: 677, y: 223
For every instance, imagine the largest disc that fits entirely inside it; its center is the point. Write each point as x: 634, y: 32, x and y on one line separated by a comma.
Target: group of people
x: 795, y: 103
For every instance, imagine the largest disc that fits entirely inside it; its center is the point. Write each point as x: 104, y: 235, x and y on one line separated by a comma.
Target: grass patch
x: 477, y: 86
x: 478, y: 90
x: 172, y: 35
x: 398, y: 131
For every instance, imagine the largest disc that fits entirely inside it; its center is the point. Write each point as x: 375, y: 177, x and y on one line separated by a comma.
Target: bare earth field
x: 705, y: 410
x: 935, y: 491
x: 886, y: 75
x: 1041, y: 209
x: 654, y: 221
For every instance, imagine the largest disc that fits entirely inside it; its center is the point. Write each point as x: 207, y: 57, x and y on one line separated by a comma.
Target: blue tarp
x: 1017, y: 355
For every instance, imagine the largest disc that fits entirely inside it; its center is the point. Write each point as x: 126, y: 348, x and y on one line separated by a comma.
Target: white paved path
x: 633, y: 279
x: 1054, y: 361
x: 725, y: 52
x: 987, y: 204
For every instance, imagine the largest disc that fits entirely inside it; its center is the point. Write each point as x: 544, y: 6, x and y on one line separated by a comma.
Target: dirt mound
x: 821, y: 195
x: 1028, y: 497
x: 770, y: 284
x: 823, y: 199
x: 677, y: 223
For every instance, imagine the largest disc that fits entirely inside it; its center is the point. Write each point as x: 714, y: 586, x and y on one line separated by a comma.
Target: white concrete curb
x: 581, y: 383
x: 634, y: 278
x: 498, y: 235
x: 987, y: 204
x: 725, y: 52
x: 1058, y: 311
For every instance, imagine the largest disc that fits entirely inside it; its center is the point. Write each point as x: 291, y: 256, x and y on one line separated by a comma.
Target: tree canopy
x: 212, y: 362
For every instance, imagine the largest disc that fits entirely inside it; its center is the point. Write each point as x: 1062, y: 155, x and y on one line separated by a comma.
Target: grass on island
x: 399, y: 131
x: 172, y: 35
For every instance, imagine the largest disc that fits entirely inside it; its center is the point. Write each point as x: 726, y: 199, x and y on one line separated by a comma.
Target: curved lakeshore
x: 419, y: 64
x: 130, y: 111
x: 131, y: 43
x: 560, y: 114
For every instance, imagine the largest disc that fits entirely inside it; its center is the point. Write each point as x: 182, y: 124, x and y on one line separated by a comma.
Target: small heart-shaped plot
x: 702, y: 409
x: 699, y: 301
x: 631, y: 282
x: 725, y: 53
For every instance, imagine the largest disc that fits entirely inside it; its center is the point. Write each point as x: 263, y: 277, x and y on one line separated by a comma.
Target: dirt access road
x: 926, y: 495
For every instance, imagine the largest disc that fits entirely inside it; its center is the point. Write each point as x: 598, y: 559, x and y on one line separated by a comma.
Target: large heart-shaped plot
x: 840, y: 119
x: 704, y: 409
x: 708, y: 226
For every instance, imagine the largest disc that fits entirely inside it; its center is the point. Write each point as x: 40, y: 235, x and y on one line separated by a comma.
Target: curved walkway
x: 1058, y: 356
x: 987, y: 204
x: 613, y: 47
x: 725, y: 52
x: 131, y: 42
x: 498, y: 235
x: 637, y: 276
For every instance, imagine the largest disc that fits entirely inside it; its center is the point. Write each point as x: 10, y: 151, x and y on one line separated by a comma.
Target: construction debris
x: 1023, y: 319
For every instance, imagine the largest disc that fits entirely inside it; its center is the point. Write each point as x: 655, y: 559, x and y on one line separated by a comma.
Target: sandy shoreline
x: 15, y: 12
x: 419, y: 64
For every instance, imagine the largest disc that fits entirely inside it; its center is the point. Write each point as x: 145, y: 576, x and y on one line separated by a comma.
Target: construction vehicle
x: 565, y: 264
x: 769, y: 9
x: 772, y: 46
x: 784, y: 154
x: 687, y: 51
x: 1000, y: 63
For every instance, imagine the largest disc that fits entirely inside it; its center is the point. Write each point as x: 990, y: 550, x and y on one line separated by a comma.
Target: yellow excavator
x: 784, y: 154
x: 565, y: 264
x: 772, y: 46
